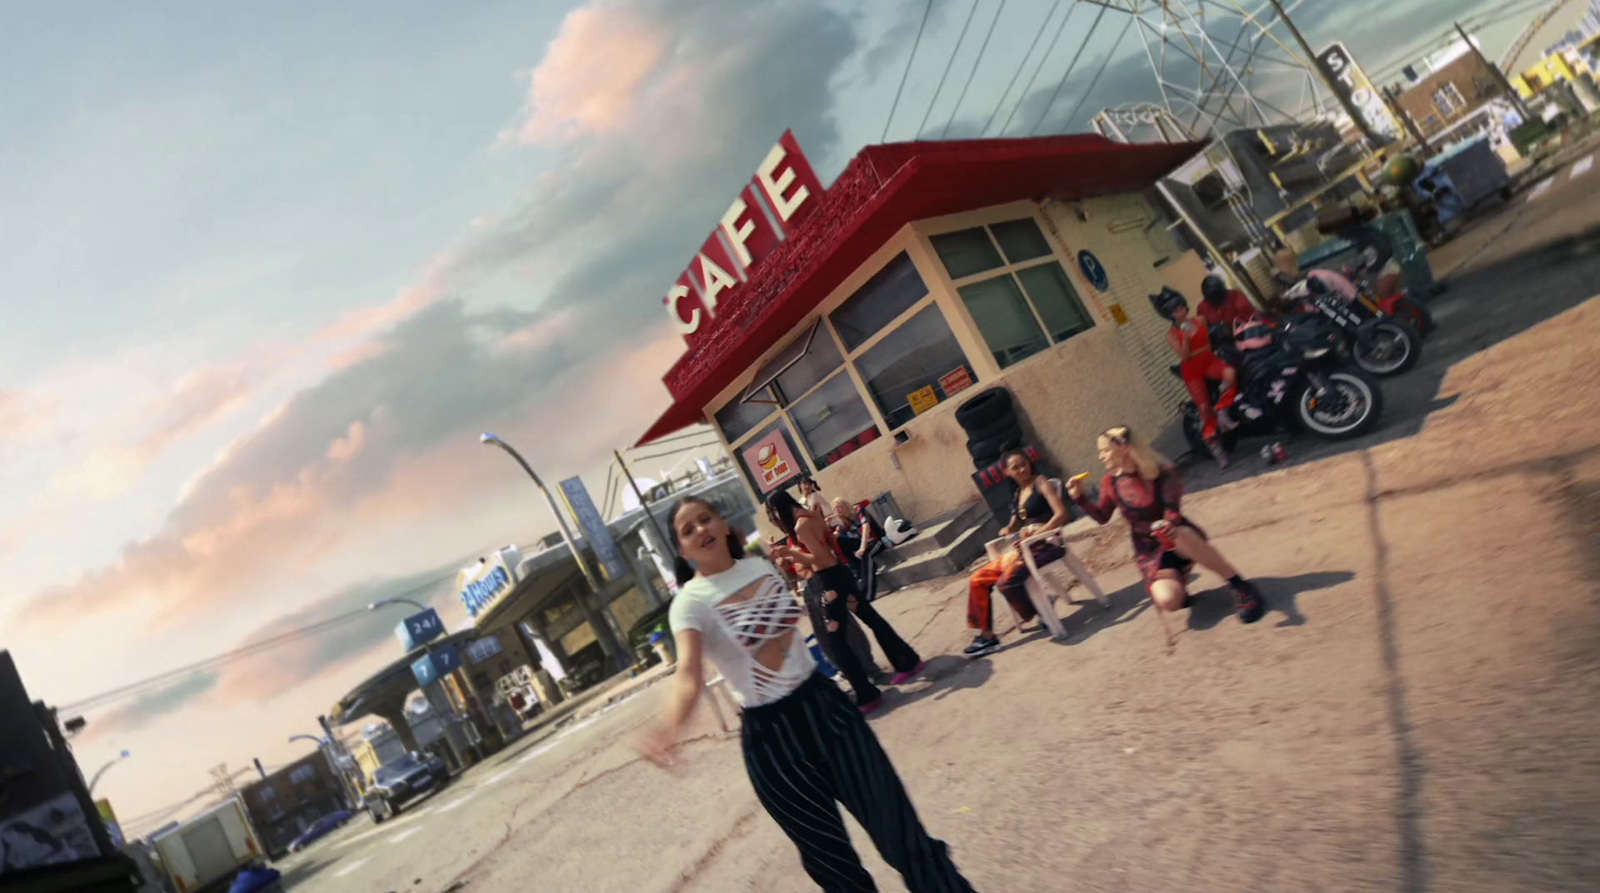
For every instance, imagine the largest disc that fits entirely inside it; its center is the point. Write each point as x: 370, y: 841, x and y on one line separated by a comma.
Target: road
x: 1416, y: 713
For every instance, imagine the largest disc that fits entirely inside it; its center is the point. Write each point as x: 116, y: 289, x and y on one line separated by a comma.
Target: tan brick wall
x: 1129, y: 258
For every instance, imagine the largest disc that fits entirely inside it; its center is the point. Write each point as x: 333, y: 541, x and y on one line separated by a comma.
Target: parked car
x: 320, y: 828
x: 398, y: 783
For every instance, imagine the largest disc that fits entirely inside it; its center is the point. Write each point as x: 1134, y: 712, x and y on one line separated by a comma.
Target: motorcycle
x: 1394, y: 302
x: 1377, y: 343
x: 1297, y: 383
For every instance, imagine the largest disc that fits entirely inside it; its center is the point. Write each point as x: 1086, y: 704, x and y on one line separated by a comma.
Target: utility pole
x: 1344, y: 100
x: 1499, y: 76
x: 1392, y: 98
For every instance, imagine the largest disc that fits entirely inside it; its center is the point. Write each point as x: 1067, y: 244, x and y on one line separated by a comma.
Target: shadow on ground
x: 945, y: 674
x: 1212, y: 606
x: 1481, y: 307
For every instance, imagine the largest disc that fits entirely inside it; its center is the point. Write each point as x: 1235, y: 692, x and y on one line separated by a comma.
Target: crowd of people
x: 806, y: 745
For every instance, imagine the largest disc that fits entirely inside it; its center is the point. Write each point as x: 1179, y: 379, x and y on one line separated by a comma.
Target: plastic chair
x: 1043, y: 584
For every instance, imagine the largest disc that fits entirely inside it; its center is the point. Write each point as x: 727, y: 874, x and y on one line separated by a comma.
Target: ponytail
x: 682, y: 569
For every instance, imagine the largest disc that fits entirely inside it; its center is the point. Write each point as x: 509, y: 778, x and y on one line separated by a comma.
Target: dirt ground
x: 1417, y: 712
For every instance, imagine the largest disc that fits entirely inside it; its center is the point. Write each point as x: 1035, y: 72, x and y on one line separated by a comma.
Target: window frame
x: 1012, y: 269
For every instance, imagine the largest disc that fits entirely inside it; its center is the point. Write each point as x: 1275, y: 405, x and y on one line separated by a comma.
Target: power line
x: 947, y: 66
x: 907, y: 73
x: 685, y: 436
x: 678, y: 451
x: 133, y: 689
x: 1110, y: 54
x: 1095, y: 26
x: 1042, y: 59
x: 1038, y: 33
x: 975, y: 63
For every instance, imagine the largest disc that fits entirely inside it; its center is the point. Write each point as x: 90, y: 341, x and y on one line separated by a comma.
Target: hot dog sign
x: 771, y: 462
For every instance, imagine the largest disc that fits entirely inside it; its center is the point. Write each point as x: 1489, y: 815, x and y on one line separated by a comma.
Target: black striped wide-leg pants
x: 812, y: 751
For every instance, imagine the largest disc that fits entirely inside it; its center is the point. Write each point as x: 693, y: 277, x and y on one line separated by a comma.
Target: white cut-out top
x: 739, y: 612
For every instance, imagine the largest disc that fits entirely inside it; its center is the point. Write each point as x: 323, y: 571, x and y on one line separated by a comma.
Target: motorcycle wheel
x: 1350, y: 410
x: 1389, y: 347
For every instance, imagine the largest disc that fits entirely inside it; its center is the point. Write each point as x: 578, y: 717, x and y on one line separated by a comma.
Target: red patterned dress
x: 1143, y: 503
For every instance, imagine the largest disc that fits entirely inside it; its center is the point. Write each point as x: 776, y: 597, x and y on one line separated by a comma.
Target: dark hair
x: 681, y: 568
x: 807, y: 481
x: 782, y: 508
x: 1005, y: 459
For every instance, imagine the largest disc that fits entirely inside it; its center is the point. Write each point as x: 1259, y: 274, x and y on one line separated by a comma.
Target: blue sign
x: 594, y: 528
x: 1093, y: 270
x: 482, y: 583
x: 437, y: 664
x: 419, y: 629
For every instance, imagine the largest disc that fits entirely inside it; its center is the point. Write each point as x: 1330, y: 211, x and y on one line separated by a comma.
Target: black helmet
x: 1167, y: 301
x: 1214, y: 290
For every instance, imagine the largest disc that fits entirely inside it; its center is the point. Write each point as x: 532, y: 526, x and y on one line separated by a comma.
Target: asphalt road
x: 1416, y: 713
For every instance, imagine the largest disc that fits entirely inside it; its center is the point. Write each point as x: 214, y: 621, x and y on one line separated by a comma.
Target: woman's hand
x: 659, y: 745
x: 1075, y: 488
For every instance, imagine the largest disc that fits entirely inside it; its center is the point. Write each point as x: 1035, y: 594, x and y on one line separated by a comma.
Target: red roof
x: 881, y: 190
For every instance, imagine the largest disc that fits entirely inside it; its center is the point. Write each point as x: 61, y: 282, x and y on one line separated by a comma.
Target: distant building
x: 284, y: 804
x: 1451, y: 92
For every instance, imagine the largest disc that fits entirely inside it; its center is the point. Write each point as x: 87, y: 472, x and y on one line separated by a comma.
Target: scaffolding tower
x: 1218, y: 66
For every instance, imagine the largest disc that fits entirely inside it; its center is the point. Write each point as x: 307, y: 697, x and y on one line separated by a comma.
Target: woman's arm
x: 1179, y: 344
x: 687, y: 684
x: 1101, y: 511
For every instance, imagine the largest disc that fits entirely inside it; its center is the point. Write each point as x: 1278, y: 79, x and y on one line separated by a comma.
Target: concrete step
x: 937, y: 533
x: 942, y: 561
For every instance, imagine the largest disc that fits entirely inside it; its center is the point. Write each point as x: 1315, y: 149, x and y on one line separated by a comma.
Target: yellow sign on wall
x: 1118, y: 314
x: 924, y: 400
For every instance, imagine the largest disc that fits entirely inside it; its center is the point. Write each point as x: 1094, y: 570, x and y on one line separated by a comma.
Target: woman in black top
x: 1037, y: 507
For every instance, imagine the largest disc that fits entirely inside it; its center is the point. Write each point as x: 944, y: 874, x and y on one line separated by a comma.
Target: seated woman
x: 1190, y: 339
x: 1036, y: 507
x: 1166, y: 544
x: 862, y: 540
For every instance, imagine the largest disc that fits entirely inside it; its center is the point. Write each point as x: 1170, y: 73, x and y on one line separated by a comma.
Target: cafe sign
x: 782, y: 192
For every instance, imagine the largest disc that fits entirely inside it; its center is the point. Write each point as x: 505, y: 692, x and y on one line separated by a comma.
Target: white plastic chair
x: 1044, y: 583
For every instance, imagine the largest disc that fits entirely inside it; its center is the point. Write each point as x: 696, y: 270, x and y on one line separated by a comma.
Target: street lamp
x: 561, y: 519
x: 102, y: 771
x: 385, y: 602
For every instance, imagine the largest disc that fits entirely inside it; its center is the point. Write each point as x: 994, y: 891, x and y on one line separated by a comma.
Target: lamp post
x: 102, y: 770
x: 620, y: 656
x: 385, y: 602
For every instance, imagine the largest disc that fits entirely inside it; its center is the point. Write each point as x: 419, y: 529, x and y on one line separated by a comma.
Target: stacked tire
x: 990, y: 420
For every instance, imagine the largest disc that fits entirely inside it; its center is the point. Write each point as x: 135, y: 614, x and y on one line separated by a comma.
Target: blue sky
x: 270, y: 268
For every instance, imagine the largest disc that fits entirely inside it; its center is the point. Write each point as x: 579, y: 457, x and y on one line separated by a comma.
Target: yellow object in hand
x: 1080, y: 477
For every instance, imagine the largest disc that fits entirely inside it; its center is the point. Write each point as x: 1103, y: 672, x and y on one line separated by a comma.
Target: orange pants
x: 1011, y: 573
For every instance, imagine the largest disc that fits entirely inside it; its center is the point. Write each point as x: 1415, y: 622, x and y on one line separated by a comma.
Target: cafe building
x: 834, y: 332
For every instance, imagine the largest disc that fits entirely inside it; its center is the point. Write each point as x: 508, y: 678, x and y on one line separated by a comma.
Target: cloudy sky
x: 270, y: 268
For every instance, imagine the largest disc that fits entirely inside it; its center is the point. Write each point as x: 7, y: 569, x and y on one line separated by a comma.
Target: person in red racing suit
x: 1191, y: 341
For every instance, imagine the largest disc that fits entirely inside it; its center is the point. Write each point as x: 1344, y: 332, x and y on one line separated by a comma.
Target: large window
x: 894, y: 290
x: 1016, y: 291
x: 742, y: 415
x: 921, y: 354
x: 832, y: 420
x: 1448, y: 100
